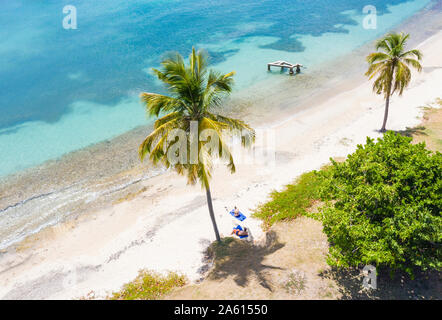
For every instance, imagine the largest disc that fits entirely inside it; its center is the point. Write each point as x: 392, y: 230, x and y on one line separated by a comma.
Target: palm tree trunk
x: 387, y: 105
x: 212, y: 214
x: 387, y: 100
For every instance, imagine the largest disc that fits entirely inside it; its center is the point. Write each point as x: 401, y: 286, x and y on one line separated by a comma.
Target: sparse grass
x: 430, y: 130
x: 131, y: 196
x: 262, y: 271
x: 149, y: 286
x: 327, y: 295
x: 345, y: 141
x: 242, y: 270
x: 228, y: 247
x: 432, y: 134
x: 295, y: 283
x: 240, y: 259
x: 294, y: 201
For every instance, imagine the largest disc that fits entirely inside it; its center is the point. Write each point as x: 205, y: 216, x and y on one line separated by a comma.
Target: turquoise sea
x: 64, y: 89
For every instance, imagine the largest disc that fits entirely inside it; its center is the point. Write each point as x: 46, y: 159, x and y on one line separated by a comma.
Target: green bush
x: 384, y: 206
x: 149, y: 286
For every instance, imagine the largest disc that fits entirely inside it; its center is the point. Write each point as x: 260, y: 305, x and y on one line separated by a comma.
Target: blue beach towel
x: 240, y: 228
x: 241, y: 217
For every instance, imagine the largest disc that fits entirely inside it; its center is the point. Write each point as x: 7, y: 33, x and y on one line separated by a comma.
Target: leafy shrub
x: 149, y: 286
x: 385, y: 206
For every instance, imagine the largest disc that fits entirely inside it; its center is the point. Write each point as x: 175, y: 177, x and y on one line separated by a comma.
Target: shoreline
x: 70, y: 250
x: 93, y: 178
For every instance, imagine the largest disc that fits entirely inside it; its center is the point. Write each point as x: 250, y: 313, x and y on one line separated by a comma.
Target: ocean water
x: 62, y: 90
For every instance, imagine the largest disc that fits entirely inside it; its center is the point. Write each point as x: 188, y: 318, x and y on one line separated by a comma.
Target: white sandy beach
x: 167, y: 227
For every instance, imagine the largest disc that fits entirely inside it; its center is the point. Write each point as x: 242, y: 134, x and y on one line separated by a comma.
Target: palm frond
x: 159, y: 133
x: 414, y: 63
x: 218, y: 133
x: 402, y: 78
x: 248, y: 134
x: 168, y: 117
x: 390, y: 67
x: 376, y: 68
x: 377, y: 57
x: 156, y: 103
x: 194, y: 90
x: 383, y: 44
x: 413, y: 53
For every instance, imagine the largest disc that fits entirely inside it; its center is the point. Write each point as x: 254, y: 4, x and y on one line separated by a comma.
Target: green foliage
x: 293, y: 201
x: 385, y: 206
x: 195, y: 92
x: 149, y: 286
x: 391, y: 64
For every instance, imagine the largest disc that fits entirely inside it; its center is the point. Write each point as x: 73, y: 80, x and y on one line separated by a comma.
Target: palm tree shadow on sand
x: 243, y: 260
x: 425, y: 285
x: 410, y: 132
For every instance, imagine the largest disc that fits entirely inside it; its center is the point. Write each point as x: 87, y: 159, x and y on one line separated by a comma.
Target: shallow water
x: 66, y: 90
x: 63, y: 90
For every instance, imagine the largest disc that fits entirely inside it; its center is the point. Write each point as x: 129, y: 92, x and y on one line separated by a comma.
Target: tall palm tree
x: 194, y: 94
x: 391, y: 67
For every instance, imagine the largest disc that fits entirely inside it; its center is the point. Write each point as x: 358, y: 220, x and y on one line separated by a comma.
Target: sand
x: 167, y: 226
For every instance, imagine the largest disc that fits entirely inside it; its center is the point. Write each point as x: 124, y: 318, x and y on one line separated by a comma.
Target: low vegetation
x: 381, y: 206
x: 227, y: 247
x: 430, y: 131
x: 131, y: 196
x: 294, y: 201
x: 149, y: 286
x: 295, y: 282
x: 283, y: 265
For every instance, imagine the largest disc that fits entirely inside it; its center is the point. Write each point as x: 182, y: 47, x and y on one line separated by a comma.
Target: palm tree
x: 194, y: 93
x: 391, y: 67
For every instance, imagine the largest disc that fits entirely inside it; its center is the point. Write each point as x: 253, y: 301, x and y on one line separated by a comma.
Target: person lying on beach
x: 237, y: 214
x: 238, y: 231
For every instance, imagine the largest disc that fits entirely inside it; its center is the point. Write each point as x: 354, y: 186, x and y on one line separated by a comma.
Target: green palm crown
x: 391, y: 67
x: 195, y: 93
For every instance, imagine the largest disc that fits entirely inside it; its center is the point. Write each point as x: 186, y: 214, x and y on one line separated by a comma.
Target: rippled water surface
x: 62, y: 90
